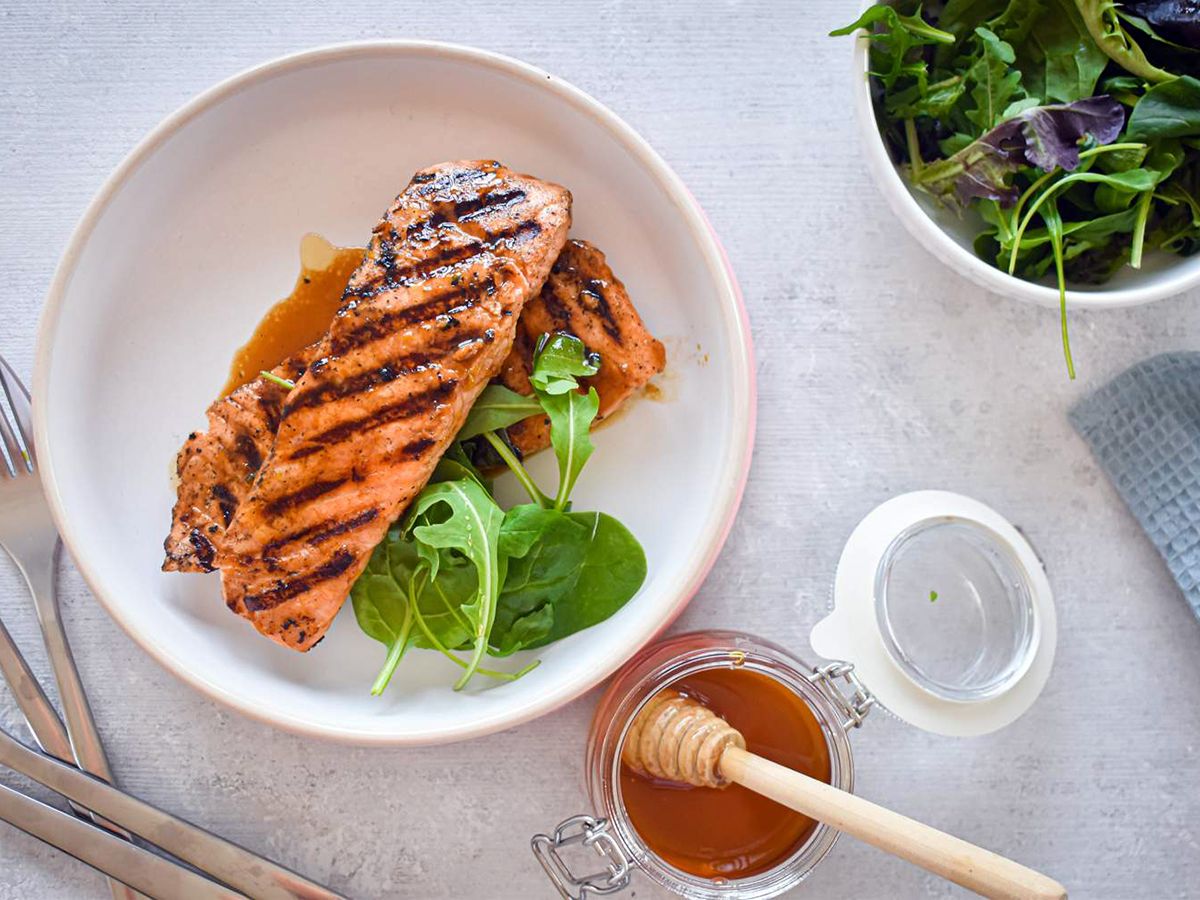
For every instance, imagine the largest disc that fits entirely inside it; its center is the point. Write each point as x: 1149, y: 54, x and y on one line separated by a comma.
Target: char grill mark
x: 416, y: 449
x: 287, y: 588
x: 439, y: 262
x: 483, y: 204
x: 594, y: 292
x: 315, y: 535
x: 466, y: 210
x: 458, y: 298
x: 310, y: 491
x: 435, y: 183
x: 557, y: 310
x: 413, y: 405
x: 205, y: 551
x: 226, y: 501
x: 409, y: 364
x: 246, y: 448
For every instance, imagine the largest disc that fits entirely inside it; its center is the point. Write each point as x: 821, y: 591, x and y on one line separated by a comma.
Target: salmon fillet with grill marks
x: 583, y: 297
x: 426, y: 321
x: 216, y: 468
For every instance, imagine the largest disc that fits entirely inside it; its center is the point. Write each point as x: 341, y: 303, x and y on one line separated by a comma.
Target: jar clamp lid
x: 594, y: 855
x: 945, y: 611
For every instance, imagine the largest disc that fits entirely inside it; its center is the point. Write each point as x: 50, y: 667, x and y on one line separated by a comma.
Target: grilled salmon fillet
x: 217, y: 467
x: 583, y: 297
x: 426, y: 321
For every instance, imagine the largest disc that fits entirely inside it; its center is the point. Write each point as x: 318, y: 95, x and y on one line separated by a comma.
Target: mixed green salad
x: 1071, y: 126
x: 460, y: 575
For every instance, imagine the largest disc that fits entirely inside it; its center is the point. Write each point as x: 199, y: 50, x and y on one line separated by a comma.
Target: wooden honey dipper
x: 677, y: 738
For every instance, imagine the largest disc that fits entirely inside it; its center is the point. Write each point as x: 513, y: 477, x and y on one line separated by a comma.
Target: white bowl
x: 196, y: 234
x: 949, y: 236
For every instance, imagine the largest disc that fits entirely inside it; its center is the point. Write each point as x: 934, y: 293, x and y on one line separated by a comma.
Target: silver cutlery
x: 153, y: 875
x: 28, y: 535
x: 225, y: 861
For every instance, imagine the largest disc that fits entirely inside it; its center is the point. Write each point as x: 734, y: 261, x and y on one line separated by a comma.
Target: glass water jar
x: 832, y: 693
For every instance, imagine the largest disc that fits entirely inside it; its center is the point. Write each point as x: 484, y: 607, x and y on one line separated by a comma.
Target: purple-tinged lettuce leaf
x: 1044, y: 137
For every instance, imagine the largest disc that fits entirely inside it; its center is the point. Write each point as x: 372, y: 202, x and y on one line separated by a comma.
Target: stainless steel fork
x: 28, y: 534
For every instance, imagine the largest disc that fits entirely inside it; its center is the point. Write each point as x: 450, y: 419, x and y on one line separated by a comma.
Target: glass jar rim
x: 667, y: 663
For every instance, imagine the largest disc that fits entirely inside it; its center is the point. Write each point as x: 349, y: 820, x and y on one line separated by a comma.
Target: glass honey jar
x: 916, y: 578
x: 829, y: 701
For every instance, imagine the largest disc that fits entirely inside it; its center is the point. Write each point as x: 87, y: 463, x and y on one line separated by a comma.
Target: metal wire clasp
x: 592, y: 833
x: 854, y: 705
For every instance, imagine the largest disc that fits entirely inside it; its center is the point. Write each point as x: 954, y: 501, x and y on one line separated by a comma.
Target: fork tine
x: 18, y: 402
x: 12, y: 450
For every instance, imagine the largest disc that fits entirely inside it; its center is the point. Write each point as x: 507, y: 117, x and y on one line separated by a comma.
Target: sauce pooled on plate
x: 301, y: 318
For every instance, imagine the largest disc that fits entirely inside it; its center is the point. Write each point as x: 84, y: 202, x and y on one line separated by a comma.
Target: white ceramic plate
x: 196, y: 234
x: 950, y: 237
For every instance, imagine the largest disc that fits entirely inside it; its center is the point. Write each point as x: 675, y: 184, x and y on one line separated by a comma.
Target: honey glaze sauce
x: 302, y: 317
x: 732, y: 832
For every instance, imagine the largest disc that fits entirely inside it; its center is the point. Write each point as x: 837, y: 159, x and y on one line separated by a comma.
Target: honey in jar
x: 706, y: 843
x: 732, y: 832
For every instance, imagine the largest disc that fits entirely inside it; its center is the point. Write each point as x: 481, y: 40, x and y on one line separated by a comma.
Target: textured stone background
x: 880, y: 372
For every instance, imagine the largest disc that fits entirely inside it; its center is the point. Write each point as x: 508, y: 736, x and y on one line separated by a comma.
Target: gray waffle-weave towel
x: 1144, y: 428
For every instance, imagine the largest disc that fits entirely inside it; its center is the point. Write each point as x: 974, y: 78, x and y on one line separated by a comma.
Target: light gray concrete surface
x: 879, y: 372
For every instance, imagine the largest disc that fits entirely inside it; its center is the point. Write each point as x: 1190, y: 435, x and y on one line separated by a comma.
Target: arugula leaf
x: 896, y: 42
x: 1054, y: 226
x: 571, y: 416
x: 473, y: 529
x: 1168, y: 110
x: 456, y: 465
x: 497, y: 407
x: 995, y: 84
x: 920, y: 99
x: 559, y: 361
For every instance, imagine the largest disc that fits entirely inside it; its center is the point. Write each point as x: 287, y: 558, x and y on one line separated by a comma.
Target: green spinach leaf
x: 1056, y: 56
x: 613, y: 570
x: 584, y: 567
x: 546, y: 551
x: 1167, y: 110
x: 381, y: 600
